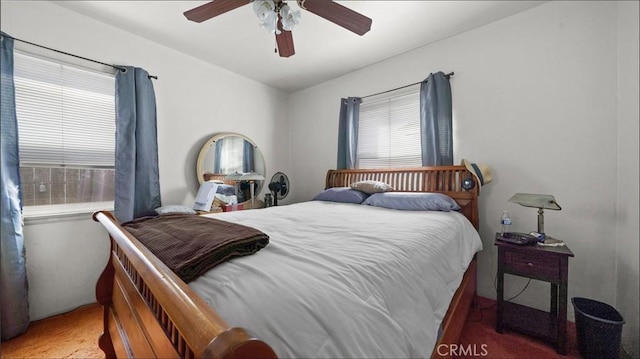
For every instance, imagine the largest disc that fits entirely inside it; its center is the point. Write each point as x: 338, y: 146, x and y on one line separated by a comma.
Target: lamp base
x: 541, y: 221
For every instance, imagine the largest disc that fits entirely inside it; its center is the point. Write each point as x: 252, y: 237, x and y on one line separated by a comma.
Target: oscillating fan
x: 279, y: 187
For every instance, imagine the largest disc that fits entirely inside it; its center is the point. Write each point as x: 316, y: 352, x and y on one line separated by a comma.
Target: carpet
x: 480, y: 339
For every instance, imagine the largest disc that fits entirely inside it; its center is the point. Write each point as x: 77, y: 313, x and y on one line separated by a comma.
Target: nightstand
x: 549, y: 264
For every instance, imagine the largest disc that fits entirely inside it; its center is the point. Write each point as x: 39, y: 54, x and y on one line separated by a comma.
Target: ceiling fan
x: 277, y: 17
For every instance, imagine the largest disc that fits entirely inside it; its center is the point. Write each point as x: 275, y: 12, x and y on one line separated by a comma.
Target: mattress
x: 344, y: 280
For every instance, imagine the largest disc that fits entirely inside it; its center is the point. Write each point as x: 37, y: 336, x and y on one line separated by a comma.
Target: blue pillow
x: 341, y: 194
x: 413, y: 201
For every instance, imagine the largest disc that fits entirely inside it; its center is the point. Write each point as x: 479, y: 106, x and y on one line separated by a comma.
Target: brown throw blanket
x: 190, y: 245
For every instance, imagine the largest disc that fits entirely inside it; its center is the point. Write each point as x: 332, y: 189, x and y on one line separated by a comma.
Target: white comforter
x: 344, y: 280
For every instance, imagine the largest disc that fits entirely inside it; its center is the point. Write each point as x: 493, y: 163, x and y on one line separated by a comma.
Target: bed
x: 150, y: 312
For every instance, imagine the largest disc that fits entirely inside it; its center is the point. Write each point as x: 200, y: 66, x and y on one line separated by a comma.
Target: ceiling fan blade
x: 284, y: 40
x: 213, y: 9
x: 338, y: 14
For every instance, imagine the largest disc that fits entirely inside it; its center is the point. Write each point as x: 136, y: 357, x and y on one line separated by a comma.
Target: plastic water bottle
x: 505, y: 220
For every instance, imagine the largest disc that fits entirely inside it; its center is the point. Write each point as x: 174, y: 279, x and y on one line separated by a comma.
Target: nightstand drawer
x: 540, y: 267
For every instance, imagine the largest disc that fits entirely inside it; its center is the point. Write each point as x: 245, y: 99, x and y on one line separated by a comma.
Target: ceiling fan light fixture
x: 290, y: 18
x: 267, y: 12
x: 271, y: 23
x: 263, y: 8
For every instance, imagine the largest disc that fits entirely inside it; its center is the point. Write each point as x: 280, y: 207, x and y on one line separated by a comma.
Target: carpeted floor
x: 75, y: 335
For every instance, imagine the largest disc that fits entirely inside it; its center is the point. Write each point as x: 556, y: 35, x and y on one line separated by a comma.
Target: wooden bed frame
x: 150, y: 313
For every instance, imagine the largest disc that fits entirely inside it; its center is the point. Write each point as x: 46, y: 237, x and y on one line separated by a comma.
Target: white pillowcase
x: 175, y: 208
x: 370, y: 186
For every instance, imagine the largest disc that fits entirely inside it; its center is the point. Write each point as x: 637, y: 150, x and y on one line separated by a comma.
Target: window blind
x: 389, y: 132
x: 232, y: 154
x: 66, y: 115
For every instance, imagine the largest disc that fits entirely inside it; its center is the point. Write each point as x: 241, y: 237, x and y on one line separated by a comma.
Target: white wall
x: 64, y: 260
x: 535, y: 97
x: 194, y: 101
x: 628, y: 178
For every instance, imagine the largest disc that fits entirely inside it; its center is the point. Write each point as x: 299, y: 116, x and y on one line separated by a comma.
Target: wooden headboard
x: 441, y: 179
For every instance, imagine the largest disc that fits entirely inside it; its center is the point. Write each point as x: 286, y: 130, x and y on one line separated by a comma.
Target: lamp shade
x: 545, y: 201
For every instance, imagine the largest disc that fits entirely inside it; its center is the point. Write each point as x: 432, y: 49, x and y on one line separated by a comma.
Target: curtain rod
x: 401, y: 87
x: 76, y: 56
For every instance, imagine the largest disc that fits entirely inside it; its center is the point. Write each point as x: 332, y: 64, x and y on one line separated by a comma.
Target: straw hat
x: 481, y: 171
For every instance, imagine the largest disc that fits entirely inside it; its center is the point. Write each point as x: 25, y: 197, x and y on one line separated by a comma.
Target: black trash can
x: 599, y: 328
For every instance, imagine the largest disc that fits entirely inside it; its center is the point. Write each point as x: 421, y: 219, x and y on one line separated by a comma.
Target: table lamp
x: 539, y: 201
x: 251, y: 177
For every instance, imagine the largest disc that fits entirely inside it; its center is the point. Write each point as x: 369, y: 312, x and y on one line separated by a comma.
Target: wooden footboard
x: 149, y: 312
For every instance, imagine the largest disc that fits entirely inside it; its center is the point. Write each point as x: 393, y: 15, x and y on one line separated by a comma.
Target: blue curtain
x: 218, y: 156
x: 348, y: 132
x: 137, y: 191
x: 14, y: 299
x: 247, y: 157
x: 436, y: 134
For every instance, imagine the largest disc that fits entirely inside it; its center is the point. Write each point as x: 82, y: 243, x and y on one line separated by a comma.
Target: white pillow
x: 175, y: 208
x: 371, y: 187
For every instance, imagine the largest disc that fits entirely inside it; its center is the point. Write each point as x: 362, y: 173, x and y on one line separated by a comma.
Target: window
x: 389, y: 131
x: 66, y: 129
x: 232, y: 154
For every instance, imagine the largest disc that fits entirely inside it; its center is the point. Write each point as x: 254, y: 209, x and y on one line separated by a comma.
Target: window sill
x: 71, y: 211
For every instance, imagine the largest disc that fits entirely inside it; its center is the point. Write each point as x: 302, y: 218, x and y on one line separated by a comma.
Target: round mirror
x: 227, y: 153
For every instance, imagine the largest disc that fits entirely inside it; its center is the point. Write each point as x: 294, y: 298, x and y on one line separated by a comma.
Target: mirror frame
x: 210, y: 142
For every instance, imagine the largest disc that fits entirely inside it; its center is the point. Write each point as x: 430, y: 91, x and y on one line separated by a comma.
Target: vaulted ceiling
x: 323, y: 50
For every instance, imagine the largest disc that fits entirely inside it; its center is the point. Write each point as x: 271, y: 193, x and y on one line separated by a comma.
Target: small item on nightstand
x: 551, y: 242
x: 268, y: 200
x: 538, y: 235
x: 505, y: 221
x: 516, y: 238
